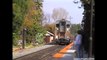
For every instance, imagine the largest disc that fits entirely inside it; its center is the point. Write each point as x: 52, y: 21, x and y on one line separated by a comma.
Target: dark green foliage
x: 87, y: 24
x: 75, y: 28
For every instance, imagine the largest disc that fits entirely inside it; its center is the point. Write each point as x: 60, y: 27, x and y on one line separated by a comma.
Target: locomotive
x: 62, y: 32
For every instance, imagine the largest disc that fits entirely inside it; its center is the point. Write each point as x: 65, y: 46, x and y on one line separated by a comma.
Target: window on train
x: 68, y: 25
x: 63, y: 23
x: 57, y: 25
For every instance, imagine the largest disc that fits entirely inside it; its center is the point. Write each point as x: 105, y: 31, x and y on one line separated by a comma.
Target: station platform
x: 69, y: 53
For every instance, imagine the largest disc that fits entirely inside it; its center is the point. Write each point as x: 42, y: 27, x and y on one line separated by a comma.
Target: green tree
x: 75, y: 28
x: 87, y: 23
x: 27, y: 14
x: 19, y: 11
x: 33, y: 20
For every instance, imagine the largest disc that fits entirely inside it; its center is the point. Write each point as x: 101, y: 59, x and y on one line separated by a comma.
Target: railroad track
x: 45, y: 54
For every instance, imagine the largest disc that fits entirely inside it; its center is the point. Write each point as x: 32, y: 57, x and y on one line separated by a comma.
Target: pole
x: 90, y: 54
x: 23, y: 42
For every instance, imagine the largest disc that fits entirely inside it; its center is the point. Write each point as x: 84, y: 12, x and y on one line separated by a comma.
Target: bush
x: 39, y: 38
x: 15, y: 39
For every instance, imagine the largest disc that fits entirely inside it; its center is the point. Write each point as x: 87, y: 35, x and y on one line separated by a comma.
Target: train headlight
x: 57, y: 29
x: 68, y: 29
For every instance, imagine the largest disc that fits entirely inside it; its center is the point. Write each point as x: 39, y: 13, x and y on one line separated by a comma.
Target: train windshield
x: 62, y: 23
x: 57, y: 25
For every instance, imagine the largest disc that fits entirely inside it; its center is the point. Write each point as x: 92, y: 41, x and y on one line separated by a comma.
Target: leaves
x: 50, y: 27
x: 19, y: 11
x: 27, y: 14
x: 87, y: 23
x: 75, y: 28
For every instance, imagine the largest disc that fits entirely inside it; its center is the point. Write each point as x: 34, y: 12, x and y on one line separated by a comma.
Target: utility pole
x: 23, y: 42
x: 91, y: 22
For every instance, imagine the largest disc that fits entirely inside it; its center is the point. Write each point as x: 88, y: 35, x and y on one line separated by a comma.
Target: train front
x: 62, y: 31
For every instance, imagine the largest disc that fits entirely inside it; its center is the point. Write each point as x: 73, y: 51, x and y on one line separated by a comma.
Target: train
x: 62, y: 31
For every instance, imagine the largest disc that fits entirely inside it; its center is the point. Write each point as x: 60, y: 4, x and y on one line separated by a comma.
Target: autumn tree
x: 27, y: 14
x: 50, y: 27
x: 33, y: 21
x: 20, y: 9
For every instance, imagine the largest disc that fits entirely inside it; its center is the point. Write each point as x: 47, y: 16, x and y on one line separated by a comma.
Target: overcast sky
x: 68, y: 5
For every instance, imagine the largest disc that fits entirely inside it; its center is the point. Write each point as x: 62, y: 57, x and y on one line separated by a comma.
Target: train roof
x: 58, y: 21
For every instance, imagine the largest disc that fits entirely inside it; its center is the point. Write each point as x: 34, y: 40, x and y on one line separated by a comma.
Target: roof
x: 49, y: 34
x: 68, y: 22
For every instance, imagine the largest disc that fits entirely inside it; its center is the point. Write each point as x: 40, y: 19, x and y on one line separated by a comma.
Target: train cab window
x: 62, y: 23
x: 68, y: 25
x: 57, y: 25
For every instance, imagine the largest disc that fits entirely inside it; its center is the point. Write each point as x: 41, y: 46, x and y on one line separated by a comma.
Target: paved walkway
x: 28, y: 51
x: 69, y: 53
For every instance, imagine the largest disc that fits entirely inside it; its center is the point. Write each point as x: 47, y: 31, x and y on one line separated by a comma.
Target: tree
x: 33, y: 21
x: 20, y: 9
x: 75, y: 28
x: 59, y: 13
x: 87, y: 23
x: 27, y: 14
x: 46, y: 18
x: 50, y: 27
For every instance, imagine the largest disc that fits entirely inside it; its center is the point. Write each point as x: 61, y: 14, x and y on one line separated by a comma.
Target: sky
x: 68, y: 5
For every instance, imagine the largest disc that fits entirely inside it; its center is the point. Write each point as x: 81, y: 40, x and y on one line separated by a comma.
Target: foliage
x: 50, y: 27
x: 39, y: 38
x: 27, y: 14
x: 16, y: 38
x: 19, y: 11
x: 87, y: 24
x: 75, y: 28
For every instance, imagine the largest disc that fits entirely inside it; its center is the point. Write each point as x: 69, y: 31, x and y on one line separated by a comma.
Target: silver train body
x: 62, y: 32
